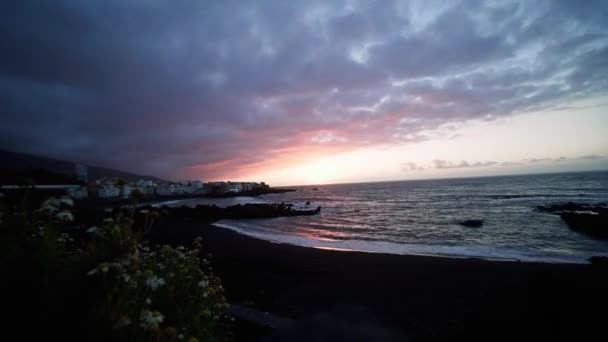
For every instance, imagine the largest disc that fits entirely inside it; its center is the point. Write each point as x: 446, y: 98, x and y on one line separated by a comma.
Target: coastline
x: 392, y: 248
x: 422, y: 297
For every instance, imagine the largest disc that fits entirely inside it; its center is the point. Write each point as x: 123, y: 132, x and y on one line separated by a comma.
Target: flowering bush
x: 125, y: 288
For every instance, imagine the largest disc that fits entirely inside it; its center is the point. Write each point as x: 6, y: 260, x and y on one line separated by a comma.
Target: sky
x: 307, y: 92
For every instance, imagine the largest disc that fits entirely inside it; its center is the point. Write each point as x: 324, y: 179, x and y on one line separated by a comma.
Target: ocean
x: 422, y: 217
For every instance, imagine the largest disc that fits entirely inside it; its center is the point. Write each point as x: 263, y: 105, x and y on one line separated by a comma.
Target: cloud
x: 511, y: 163
x: 446, y: 164
x: 538, y: 160
x: 410, y: 166
x: 221, y: 89
x: 560, y: 159
x: 590, y: 157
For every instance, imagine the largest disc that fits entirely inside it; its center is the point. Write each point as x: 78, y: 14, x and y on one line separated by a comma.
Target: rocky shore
x: 590, y: 219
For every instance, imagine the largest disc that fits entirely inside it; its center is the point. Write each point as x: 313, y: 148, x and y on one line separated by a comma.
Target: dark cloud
x: 210, y: 89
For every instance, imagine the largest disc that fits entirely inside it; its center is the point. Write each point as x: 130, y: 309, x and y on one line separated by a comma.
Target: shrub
x: 110, y: 282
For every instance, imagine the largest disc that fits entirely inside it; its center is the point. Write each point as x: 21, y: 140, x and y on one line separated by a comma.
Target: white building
x: 235, y: 187
x: 108, y: 191
x: 126, y: 190
x: 146, y: 190
x: 165, y: 189
x: 144, y: 183
x: 196, y: 185
x: 78, y: 193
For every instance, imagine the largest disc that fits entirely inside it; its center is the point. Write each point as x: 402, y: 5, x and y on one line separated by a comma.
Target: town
x: 117, y: 188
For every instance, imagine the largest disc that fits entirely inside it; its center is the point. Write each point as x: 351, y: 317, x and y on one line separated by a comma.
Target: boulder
x: 590, y: 219
x: 471, y: 223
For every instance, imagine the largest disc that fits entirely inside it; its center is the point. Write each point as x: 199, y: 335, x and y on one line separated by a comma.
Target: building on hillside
x: 82, y: 173
x: 146, y: 190
x: 126, y: 190
x: 108, y: 191
x: 143, y: 183
x: 165, y: 189
x: 197, y: 185
x: 80, y: 192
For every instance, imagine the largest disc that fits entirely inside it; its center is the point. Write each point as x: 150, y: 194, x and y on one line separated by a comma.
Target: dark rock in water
x: 315, y: 189
x: 590, y: 219
x: 307, y: 202
x: 592, y: 224
x: 571, y: 206
x: 471, y: 223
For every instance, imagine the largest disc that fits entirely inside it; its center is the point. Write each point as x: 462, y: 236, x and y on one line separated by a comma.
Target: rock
x: 590, y: 219
x: 471, y: 223
x: 592, y: 224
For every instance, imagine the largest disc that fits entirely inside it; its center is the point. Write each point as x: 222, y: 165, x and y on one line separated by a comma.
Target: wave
x: 397, y: 248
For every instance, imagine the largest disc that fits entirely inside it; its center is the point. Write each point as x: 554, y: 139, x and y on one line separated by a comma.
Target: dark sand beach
x: 325, y: 295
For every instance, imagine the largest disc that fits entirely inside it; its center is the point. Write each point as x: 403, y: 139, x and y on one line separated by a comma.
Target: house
x: 144, y: 183
x: 82, y: 173
x: 218, y: 187
x: 166, y: 189
x: 79, y: 192
x: 126, y: 190
x: 235, y: 187
x: 191, y: 187
x: 249, y: 186
x: 108, y: 191
x: 146, y: 190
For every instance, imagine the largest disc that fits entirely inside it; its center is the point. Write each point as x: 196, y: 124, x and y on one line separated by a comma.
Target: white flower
x: 108, y: 220
x: 126, y: 277
x: 104, y: 267
x: 51, y: 202
x: 63, y: 237
x: 180, y: 336
x: 148, y: 301
x: 49, y: 208
x: 92, y: 230
x: 65, y: 216
x: 92, y: 272
x: 203, y: 283
x: 154, y: 282
x: 67, y: 201
x: 150, y: 319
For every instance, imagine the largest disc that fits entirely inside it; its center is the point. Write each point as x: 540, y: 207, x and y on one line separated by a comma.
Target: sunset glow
x: 311, y: 92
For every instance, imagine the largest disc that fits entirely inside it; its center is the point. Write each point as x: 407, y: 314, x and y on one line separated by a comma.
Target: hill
x: 15, y: 166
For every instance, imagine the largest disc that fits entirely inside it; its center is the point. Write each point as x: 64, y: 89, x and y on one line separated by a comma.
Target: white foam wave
x: 397, y: 248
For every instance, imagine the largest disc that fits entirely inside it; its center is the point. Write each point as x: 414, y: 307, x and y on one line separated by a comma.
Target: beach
x: 333, y: 295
